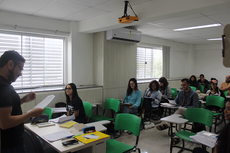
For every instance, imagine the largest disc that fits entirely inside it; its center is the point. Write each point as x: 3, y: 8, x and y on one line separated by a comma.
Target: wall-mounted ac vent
x: 124, y: 34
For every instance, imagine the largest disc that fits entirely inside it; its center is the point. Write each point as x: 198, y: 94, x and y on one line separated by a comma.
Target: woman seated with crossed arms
x: 153, y: 95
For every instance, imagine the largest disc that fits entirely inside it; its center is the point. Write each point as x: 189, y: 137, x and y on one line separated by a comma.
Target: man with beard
x: 186, y: 98
x: 225, y: 86
x: 11, y: 117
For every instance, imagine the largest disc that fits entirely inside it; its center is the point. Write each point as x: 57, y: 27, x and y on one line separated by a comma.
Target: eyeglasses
x: 68, y: 88
x: 21, y: 69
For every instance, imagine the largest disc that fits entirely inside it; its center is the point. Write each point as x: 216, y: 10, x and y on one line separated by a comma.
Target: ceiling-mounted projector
x: 127, y: 18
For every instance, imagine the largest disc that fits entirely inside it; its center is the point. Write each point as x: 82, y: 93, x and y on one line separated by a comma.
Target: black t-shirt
x: 11, y: 137
x: 74, y: 105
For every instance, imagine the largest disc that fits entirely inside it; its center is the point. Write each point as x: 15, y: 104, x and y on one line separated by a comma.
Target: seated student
x: 155, y: 95
x: 223, y: 139
x: 74, y: 103
x: 193, y: 82
x: 165, y: 89
x: 132, y: 96
x: 214, y: 91
x: 225, y: 86
x: 203, y: 82
x: 186, y: 98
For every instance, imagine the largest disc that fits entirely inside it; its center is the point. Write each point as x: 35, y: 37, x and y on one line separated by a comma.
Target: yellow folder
x: 68, y: 124
x: 86, y: 140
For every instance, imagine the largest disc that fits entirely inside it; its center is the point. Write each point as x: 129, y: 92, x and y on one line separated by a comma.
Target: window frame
x: 64, y: 55
x: 150, y: 47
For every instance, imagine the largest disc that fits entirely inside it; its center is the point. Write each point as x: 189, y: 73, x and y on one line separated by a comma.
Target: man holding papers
x: 11, y: 117
x: 186, y: 98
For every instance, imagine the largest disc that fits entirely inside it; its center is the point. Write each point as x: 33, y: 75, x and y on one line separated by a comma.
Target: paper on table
x: 62, y: 119
x: 168, y: 105
x: 45, y: 102
x: 172, y: 102
x: 59, y: 110
x: 58, y: 135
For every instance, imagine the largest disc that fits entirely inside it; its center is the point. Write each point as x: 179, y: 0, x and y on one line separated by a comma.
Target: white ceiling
x: 80, y: 10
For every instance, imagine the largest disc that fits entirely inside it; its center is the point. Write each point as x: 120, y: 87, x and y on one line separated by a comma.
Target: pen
x: 67, y: 137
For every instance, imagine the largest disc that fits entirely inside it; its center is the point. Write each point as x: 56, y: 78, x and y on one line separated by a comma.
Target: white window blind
x: 44, y: 59
x: 149, y: 63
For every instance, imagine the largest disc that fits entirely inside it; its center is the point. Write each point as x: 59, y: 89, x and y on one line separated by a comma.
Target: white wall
x: 209, y: 62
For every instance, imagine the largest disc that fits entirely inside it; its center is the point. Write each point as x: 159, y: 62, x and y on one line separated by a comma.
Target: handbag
x: 40, y: 119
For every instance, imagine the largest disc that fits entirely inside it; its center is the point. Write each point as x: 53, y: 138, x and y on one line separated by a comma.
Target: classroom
x: 102, y: 68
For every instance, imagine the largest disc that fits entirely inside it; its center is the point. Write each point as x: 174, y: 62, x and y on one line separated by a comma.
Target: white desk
x: 99, y: 125
x: 94, y: 147
x: 174, y: 119
x: 168, y: 106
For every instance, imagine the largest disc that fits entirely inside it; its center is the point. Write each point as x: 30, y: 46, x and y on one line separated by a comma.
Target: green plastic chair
x: 201, y: 88
x: 193, y: 88
x: 217, y: 102
x: 110, y: 104
x: 197, y: 115
x: 88, y: 109
x: 225, y: 93
x: 174, y: 92
x: 128, y: 122
x: 48, y: 111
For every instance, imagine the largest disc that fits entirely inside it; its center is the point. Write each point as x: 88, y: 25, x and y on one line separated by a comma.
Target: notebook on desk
x: 91, y: 137
x: 68, y: 124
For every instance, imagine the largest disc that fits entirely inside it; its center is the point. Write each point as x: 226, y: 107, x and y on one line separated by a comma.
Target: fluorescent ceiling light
x: 215, y: 39
x: 198, y: 27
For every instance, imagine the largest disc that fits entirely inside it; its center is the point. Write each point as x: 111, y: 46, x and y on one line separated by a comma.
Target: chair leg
x: 139, y: 151
x: 182, y: 149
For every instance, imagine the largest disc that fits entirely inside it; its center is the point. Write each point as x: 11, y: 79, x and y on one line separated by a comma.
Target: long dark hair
x: 191, y: 78
x: 224, y: 140
x: 75, y: 94
x: 129, y: 89
x: 156, y: 83
x: 164, y: 81
x: 217, y: 89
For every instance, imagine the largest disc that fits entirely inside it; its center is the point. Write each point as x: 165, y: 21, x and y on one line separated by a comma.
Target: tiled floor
x: 155, y: 141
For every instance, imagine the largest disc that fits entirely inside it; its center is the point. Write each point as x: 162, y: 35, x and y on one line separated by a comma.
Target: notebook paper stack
x: 206, y: 138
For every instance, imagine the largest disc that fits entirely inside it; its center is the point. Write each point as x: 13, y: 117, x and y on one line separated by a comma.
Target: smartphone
x: 70, y: 142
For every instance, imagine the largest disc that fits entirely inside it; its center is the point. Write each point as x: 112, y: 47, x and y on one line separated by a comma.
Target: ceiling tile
x: 179, y: 18
x: 221, y: 17
x: 60, y: 9
x: 189, y: 23
x: 85, y: 14
x: 111, y: 6
x: 24, y: 6
x: 87, y: 2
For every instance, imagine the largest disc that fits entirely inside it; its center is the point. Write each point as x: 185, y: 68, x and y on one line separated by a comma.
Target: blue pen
x: 67, y: 137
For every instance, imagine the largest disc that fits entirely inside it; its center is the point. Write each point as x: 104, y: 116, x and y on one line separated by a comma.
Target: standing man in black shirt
x: 11, y: 117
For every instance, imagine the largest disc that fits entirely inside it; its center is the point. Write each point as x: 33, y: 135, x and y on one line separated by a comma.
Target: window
x: 44, y: 59
x: 149, y: 63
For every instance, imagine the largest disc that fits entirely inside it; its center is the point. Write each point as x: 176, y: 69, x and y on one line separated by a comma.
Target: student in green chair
x: 74, y: 104
x: 203, y: 82
x: 215, y: 91
x: 193, y: 82
x: 132, y: 97
x: 186, y: 98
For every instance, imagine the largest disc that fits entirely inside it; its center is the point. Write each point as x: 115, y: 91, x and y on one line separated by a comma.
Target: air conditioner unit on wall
x: 124, y: 34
